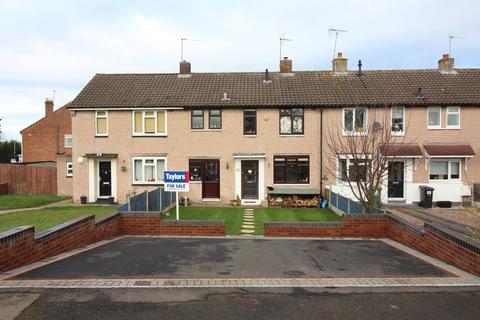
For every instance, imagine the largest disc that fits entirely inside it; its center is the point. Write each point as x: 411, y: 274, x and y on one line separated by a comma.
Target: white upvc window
x: 149, y: 123
x: 67, y: 141
x: 445, y: 170
x: 398, y: 120
x: 69, y: 169
x: 352, y: 169
x: 149, y: 170
x: 101, y: 123
x: 453, y: 117
x: 355, y: 121
x: 434, y: 117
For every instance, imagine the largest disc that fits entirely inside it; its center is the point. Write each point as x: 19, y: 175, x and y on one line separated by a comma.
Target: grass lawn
x: 46, y: 218
x: 25, y: 201
x: 233, y: 216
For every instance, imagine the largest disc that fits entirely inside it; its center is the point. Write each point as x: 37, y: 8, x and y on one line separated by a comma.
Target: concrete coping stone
x: 372, y: 216
x: 54, y: 231
x: 192, y: 222
x: 144, y: 213
x: 455, y: 237
x: 15, y: 233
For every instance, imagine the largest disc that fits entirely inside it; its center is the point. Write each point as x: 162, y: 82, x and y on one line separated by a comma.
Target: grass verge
x: 14, y: 201
x: 46, y: 218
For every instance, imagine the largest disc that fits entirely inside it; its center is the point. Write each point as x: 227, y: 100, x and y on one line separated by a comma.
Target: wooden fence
x: 22, y: 179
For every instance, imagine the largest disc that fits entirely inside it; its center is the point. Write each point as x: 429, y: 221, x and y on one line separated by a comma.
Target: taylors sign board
x: 176, y: 181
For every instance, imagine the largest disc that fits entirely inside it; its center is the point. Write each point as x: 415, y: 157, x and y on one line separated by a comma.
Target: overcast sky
x: 59, y: 45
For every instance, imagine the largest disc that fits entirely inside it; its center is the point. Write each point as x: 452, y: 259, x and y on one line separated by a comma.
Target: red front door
x: 211, y: 179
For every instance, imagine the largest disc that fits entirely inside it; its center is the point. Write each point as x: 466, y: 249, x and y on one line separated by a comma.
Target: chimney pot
x: 446, y: 64
x: 48, y: 107
x: 185, y: 67
x: 286, y: 65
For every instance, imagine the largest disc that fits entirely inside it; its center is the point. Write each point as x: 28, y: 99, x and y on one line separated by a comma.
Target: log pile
x: 292, y: 201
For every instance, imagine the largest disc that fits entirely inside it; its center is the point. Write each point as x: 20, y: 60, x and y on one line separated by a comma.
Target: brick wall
x: 21, y: 245
x: 44, y: 139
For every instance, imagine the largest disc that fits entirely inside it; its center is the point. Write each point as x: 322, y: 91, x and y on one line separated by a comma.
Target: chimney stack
x: 286, y: 66
x: 340, y: 64
x: 48, y: 107
x: 446, y: 64
x: 185, y: 68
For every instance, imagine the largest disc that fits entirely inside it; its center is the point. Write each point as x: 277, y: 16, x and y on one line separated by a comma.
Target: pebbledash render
x: 248, y: 135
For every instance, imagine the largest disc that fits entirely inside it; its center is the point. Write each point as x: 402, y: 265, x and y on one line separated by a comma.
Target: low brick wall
x: 21, y: 245
x: 355, y: 226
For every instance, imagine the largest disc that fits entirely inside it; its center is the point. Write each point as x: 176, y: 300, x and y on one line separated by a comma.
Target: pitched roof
x: 67, y: 105
x: 304, y: 88
x: 446, y: 150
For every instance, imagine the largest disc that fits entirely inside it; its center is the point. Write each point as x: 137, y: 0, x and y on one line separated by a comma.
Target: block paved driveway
x: 221, y: 258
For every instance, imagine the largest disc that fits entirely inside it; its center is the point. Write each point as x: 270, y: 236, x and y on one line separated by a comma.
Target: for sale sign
x: 176, y: 181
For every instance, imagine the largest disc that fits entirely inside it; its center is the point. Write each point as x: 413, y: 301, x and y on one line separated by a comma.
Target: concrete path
x: 54, y: 204
x: 248, y: 226
x: 422, y: 214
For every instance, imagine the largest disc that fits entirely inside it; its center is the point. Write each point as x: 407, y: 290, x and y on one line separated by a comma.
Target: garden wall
x: 21, y: 245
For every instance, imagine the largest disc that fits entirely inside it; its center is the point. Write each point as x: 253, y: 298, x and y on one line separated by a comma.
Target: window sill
x: 69, y: 147
x: 249, y: 135
x: 101, y: 136
x: 355, y: 134
x: 195, y: 182
x: 150, y: 135
x: 291, y: 184
x: 292, y: 135
x: 69, y: 176
x: 445, y: 181
x: 207, y: 130
x: 398, y: 134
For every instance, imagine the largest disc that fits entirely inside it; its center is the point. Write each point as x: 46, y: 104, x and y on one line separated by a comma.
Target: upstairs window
x: 291, y: 169
x: 101, y: 123
x: 291, y: 121
x: 148, y: 170
x: 453, y: 117
x: 434, y: 117
x: 68, y: 141
x: 69, y: 169
x: 150, y: 123
x: 215, y: 119
x: 197, y: 119
x: 249, y: 122
x: 398, y: 120
x: 355, y: 120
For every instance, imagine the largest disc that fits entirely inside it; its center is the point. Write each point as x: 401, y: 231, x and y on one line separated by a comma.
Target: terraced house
x: 261, y: 135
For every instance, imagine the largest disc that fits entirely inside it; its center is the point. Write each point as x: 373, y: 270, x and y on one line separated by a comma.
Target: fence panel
x: 123, y: 207
x: 355, y: 207
x: 342, y: 203
x: 139, y: 202
x: 154, y: 200
x: 34, y: 180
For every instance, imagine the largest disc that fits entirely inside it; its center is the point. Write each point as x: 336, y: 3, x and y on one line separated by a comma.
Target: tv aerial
x: 282, y: 39
x: 450, y: 38
x: 336, y: 32
x: 181, y: 46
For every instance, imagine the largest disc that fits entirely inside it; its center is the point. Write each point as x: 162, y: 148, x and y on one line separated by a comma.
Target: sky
x: 48, y: 46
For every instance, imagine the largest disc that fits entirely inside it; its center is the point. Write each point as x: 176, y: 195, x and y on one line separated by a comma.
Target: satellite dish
x: 377, y: 126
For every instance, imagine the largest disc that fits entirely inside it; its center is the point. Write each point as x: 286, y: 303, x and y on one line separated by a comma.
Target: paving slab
x: 196, y: 258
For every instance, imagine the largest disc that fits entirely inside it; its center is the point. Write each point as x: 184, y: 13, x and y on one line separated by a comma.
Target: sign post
x: 176, y: 181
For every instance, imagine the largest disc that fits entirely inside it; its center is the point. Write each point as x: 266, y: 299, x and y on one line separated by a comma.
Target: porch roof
x: 402, y: 150
x: 449, y: 150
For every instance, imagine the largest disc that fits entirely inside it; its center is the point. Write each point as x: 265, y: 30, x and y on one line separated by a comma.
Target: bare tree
x: 361, y: 152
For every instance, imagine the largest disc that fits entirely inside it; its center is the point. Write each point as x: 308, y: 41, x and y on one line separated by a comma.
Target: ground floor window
x: 69, y: 169
x: 195, y: 170
x: 352, y: 169
x: 291, y: 169
x: 149, y: 170
x: 444, y: 170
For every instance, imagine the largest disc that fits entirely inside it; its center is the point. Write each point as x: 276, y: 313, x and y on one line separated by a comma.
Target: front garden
x: 233, y: 216
x: 15, y: 201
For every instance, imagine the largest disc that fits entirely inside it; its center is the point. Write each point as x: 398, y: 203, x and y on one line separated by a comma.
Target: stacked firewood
x: 293, y: 201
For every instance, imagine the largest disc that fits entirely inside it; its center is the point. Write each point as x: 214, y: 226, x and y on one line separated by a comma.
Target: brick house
x: 259, y: 135
x: 49, y: 142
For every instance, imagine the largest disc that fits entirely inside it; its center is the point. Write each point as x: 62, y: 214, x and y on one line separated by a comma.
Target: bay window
x: 444, y: 170
x: 291, y: 169
x: 148, y: 170
x: 355, y: 120
x: 291, y: 121
x: 150, y: 123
